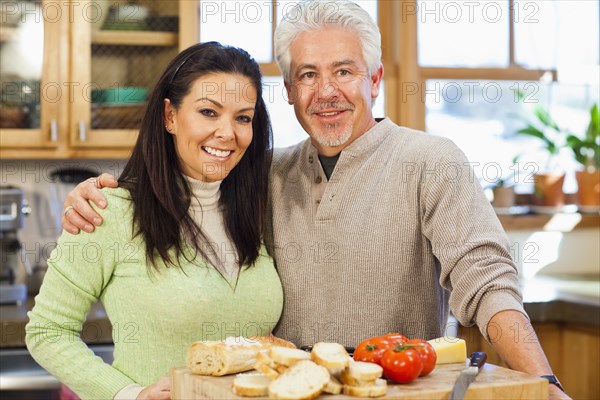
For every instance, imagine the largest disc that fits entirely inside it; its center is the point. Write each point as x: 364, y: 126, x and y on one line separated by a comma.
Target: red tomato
x: 401, y: 364
x: 371, y: 350
x: 427, y: 353
x: 395, y: 338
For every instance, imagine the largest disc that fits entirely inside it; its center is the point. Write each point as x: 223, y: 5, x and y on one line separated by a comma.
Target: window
x: 465, y: 60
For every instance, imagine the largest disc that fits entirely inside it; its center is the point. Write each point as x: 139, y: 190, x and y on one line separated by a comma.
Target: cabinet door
x: 119, y: 50
x: 33, y: 54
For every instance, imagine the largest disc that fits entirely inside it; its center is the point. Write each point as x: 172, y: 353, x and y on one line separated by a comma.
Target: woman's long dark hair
x: 160, y: 193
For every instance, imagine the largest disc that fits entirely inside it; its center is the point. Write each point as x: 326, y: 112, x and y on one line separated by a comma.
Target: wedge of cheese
x: 449, y: 350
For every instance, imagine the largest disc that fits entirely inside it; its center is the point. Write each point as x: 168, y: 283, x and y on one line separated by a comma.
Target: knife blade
x: 468, y: 375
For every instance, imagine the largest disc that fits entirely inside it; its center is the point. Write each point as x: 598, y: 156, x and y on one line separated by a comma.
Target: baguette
x: 250, y: 386
x: 229, y: 356
x: 304, y: 380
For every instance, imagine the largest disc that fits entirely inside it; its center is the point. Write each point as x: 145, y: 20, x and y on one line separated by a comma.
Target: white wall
x: 556, y: 253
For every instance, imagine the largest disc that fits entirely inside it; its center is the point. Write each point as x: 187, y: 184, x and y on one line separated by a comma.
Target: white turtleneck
x: 205, y: 211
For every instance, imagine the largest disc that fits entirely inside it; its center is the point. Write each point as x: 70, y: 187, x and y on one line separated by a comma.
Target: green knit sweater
x: 155, y: 317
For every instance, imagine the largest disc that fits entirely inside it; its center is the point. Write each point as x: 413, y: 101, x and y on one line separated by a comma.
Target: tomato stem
x: 401, y: 347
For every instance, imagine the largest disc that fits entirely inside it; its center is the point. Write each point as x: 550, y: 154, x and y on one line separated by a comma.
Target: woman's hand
x: 161, y: 390
x: 77, y: 212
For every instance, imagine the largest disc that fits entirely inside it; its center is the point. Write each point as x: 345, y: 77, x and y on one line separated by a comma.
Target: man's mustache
x: 338, y: 106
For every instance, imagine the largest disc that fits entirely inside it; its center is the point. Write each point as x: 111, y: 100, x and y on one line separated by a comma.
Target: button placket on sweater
x: 325, y: 191
x: 316, y: 180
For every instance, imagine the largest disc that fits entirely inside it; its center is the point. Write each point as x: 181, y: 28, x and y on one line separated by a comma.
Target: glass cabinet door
x: 119, y: 50
x: 32, y: 72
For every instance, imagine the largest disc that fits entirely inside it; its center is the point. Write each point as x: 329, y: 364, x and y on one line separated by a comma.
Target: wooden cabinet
x: 572, y: 350
x: 100, y: 60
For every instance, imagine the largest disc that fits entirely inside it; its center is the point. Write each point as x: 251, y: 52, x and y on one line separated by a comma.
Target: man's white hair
x: 311, y: 15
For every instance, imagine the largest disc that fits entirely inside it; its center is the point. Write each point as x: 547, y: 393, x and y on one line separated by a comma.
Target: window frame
x: 411, y: 110
x: 399, y: 39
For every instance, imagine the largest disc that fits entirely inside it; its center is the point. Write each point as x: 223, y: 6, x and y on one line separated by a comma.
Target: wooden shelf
x: 8, y: 33
x: 136, y: 38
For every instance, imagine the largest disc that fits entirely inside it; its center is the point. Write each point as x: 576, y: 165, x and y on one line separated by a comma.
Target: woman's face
x: 212, y: 127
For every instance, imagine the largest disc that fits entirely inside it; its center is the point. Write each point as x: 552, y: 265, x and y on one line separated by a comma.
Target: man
x: 374, y: 228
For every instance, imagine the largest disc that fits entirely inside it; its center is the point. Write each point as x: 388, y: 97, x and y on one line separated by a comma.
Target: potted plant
x: 548, y: 182
x: 587, y: 153
x: 503, y: 189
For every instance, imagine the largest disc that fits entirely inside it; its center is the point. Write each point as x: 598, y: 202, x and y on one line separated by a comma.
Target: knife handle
x: 478, y: 359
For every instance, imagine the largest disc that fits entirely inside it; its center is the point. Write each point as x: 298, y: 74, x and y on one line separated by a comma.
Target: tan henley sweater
x: 400, y: 234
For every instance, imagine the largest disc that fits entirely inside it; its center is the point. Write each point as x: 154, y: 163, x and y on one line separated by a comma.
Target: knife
x: 468, y: 375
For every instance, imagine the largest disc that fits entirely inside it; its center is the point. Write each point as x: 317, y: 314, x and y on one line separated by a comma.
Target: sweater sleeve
x: 79, y: 269
x: 468, y: 240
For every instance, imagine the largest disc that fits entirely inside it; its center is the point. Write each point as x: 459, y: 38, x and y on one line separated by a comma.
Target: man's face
x: 330, y: 88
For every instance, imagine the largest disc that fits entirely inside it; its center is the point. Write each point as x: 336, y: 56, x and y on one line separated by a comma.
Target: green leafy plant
x: 587, y: 149
x: 543, y: 127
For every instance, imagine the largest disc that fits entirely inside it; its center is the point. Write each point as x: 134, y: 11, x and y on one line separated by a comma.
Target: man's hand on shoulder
x: 78, y: 214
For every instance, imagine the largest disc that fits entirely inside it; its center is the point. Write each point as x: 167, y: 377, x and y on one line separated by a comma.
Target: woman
x: 179, y: 256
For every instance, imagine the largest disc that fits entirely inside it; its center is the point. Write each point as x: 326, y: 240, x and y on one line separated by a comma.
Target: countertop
x: 564, y: 299
x: 13, y: 318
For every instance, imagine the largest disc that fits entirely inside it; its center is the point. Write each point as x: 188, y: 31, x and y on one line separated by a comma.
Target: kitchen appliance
x: 13, y: 209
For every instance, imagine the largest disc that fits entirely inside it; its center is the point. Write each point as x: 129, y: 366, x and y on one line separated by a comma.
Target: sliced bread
x: 348, y: 379
x: 304, y: 380
x: 287, y: 356
x: 364, y: 371
x: 266, y: 370
x: 333, y: 386
x: 332, y: 356
x: 376, y: 390
x: 251, y: 385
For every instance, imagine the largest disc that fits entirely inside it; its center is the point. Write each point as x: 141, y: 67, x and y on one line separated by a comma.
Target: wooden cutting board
x: 493, y: 382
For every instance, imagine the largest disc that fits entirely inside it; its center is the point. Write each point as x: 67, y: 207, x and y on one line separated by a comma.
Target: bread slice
x: 332, y: 356
x: 364, y: 371
x: 347, y: 379
x: 333, y: 386
x: 266, y: 370
x: 376, y: 390
x: 229, y: 356
x: 304, y: 380
x: 264, y: 358
x: 251, y: 385
x: 287, y: 356
x: 281, y: 368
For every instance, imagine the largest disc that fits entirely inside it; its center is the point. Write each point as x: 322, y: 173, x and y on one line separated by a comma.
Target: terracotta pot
x: 503, y: 197
x: 548, y: 189
x: 588, y: 184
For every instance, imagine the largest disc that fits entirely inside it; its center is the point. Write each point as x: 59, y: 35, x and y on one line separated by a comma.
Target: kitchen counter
x: 565, y: 299
x: 13, y: 318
